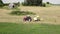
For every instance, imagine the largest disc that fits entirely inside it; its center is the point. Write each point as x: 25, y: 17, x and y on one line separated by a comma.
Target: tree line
x: 28, y: 3
x: 32, y: 2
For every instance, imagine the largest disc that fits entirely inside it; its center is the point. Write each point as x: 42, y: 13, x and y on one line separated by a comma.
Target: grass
x: 13, y: 28
x: 7, y: 8
x: 18, y: 12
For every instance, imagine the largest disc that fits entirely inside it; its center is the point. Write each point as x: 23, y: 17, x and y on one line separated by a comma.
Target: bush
x: 24, y: 4
x: 44, y: 5
x: 22, y: 13
x: 48, y: 2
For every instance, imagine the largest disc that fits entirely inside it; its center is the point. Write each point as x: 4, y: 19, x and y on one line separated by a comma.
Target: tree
x: 18, y: 4
x: 33, y: 2
x: 1, y: 3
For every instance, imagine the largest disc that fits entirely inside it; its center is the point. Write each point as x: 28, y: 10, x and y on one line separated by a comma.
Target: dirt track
x: 50, y: 15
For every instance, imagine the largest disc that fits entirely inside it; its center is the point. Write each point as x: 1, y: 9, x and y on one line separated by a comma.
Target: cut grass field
x: 14, y: 28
